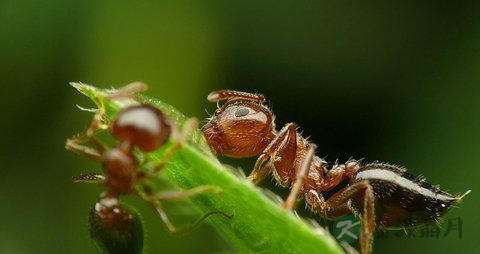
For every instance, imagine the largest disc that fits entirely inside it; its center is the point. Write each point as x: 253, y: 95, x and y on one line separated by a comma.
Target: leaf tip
x: 85, y: 89
x: 79, y: 86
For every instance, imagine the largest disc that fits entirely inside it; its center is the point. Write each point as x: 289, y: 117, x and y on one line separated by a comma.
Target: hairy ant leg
x: 317, y: 203
x: 300, y: 178
x: 285, y: 146
x: 336, y: 206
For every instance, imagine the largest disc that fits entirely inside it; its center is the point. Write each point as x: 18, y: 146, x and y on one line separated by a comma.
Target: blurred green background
x: 396, y: 82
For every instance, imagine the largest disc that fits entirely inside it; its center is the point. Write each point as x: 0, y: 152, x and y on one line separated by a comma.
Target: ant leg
x: 300, y: 177
x: 285, y: 143
x: 317, y: 203
x: 222, y: 95
x: 331, y: 207
x: 179, y: 137
x: 262, y: 169
x: 76, y: 144
x: 176, y: 195
x: 185, y: 228
x: 89, y: 178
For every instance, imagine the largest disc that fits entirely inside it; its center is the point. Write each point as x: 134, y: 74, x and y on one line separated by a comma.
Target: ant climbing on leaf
x: 113, y: 227
x: 380, y: 194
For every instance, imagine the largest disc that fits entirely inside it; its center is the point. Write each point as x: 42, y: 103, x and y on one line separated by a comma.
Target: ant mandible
x: 380, y: 194
x: 114, y: 228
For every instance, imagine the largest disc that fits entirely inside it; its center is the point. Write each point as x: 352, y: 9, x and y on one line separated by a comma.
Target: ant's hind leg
x: 337, y: 204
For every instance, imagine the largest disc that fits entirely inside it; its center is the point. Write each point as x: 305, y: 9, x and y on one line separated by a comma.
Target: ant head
x: 143, y: 126
x: 114, y: 228
x: 242, y: 127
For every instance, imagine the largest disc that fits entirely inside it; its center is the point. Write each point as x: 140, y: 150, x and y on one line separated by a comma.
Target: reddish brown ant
x: 115, y: 228
x: 381, y: 195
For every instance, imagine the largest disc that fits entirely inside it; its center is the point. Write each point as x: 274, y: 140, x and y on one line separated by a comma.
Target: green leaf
x: 259, y: 225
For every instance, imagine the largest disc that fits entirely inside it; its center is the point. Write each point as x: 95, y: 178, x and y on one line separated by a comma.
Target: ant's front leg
x: 76, y: 144
x: 300, y: 177
x: 285, y: 146
x: 337, y: 205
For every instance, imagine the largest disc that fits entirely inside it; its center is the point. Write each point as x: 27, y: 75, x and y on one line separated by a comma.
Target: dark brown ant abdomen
x: 401, y: 199
x: 114, y: 228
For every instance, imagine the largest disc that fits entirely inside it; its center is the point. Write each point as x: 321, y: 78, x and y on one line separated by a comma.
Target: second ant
x: 381, y: 195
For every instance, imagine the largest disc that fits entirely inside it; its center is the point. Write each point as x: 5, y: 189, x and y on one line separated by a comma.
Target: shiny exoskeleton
x: 381, y: 195
x: 115, y: 228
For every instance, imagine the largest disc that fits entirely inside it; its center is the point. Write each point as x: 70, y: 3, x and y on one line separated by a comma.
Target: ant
x: 380, y: 194
x: 115, y: 228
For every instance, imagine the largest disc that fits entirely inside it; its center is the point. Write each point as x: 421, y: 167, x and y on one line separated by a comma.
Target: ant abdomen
x: 114, y: 228
x: 412, y: 200
x: 143, y: 126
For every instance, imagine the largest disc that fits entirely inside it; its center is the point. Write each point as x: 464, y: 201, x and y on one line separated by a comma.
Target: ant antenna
x: 222, y: 95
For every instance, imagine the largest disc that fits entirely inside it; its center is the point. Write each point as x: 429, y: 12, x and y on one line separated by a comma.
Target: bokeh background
x: 396, y: 82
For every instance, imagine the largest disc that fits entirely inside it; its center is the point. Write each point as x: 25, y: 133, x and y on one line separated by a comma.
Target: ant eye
x: 242, y: 112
